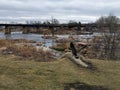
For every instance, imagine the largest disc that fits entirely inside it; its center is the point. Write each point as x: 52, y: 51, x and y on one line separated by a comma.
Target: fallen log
x: 77, y: 61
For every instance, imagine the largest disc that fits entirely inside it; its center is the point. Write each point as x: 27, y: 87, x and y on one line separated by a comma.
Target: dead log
x: 77, y: 61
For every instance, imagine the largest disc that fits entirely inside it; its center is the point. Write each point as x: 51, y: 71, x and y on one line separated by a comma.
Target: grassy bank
x: 31, y: 75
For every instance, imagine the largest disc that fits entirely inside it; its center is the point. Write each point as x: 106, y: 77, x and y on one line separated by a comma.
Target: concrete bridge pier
x: 7, y: 30
x: 26, y: 30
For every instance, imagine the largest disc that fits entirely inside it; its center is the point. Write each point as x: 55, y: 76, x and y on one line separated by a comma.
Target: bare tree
x: 109, y: 28
x: 72, y: 23
x: 54, y: 22
x: 47, y: 22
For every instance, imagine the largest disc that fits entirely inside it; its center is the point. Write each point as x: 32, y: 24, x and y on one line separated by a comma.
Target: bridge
x: 38, y: 27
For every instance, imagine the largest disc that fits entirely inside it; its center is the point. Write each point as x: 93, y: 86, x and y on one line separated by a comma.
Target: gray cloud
x: 63, y: 10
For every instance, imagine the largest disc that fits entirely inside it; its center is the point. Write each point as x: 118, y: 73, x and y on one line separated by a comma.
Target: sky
x: 84, y: 11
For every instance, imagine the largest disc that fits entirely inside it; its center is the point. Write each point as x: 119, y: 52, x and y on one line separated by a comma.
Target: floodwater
x: 19, y: 35
x: 37, y: 37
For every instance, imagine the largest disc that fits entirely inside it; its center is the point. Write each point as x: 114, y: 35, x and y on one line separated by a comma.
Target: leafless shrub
x: 109, y: 28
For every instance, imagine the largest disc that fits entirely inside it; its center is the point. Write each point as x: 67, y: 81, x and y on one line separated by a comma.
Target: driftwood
x: 77, y: 61
x: 74, y: 57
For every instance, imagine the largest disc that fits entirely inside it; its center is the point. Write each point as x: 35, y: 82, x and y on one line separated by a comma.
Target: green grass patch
x: 31, y: 75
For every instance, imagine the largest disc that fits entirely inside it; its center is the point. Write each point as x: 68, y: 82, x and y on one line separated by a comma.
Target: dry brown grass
x: 30, y: 52
x: 25, y: 51
x: 6, y: 42
x: 31, y: 75
x: 61, y: 46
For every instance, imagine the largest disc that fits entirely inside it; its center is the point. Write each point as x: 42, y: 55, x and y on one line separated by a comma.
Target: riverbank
x: 32, y: 75
x: 26, y: 49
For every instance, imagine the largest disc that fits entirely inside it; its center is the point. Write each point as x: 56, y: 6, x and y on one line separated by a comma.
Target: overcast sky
x: 63, y: 10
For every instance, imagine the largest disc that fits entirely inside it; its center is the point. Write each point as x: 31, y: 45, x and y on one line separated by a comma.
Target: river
x: 37, y: 37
